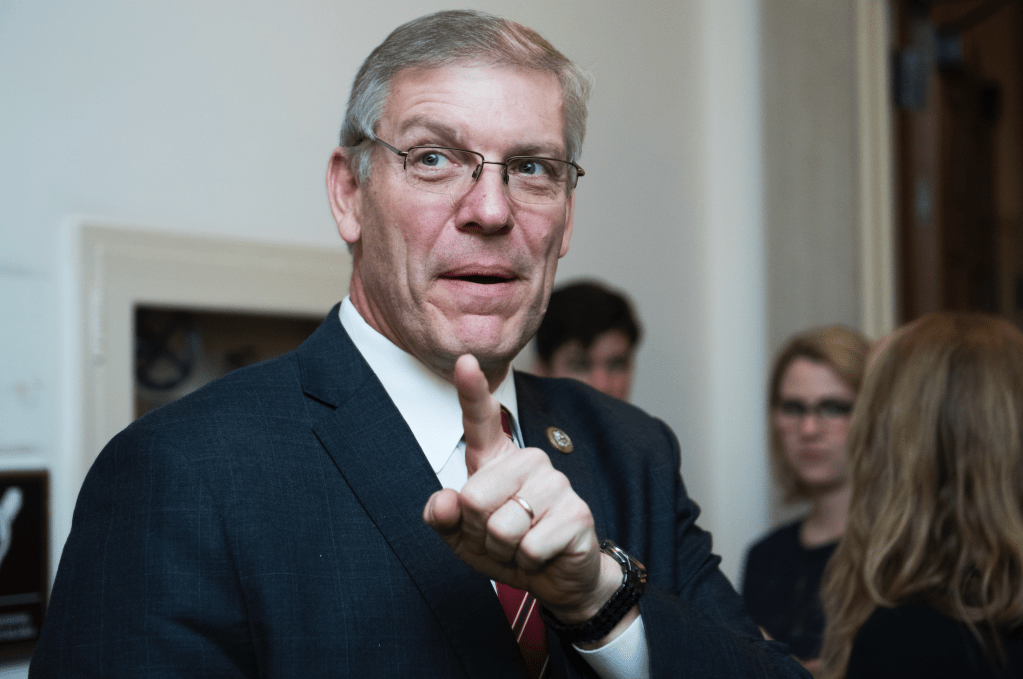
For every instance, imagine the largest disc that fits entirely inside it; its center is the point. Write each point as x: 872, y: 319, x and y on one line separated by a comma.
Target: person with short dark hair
x: 589, y: 333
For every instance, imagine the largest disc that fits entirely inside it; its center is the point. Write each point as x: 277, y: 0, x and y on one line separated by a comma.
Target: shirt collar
x: 427, y: 402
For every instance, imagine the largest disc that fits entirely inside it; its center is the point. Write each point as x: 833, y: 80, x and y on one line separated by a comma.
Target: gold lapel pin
x: 559, y: 440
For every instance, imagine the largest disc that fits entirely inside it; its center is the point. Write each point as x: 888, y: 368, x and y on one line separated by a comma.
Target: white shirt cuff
x: 627, y: 657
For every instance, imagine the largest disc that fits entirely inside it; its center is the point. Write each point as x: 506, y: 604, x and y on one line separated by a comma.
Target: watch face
x: 622, y: 557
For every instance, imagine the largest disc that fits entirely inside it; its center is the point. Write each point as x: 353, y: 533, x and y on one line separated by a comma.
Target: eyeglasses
x: 831, y: 410
x: 530, y: 179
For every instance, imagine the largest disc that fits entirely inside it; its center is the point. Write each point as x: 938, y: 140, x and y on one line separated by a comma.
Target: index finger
x: 481, y: 413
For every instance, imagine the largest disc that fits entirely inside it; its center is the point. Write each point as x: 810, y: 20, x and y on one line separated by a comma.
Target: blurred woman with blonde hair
x: 928, y: 579
x: 812, y: 390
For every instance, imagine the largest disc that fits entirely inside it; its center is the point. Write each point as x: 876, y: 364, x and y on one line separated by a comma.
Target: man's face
x: 605, y: 366
x: 442, y: 275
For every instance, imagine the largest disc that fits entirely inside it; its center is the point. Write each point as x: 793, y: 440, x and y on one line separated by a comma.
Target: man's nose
x: 488, y: 201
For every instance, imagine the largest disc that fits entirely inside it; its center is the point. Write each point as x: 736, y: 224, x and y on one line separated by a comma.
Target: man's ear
x: 566, y: 235
x: 343, y: 191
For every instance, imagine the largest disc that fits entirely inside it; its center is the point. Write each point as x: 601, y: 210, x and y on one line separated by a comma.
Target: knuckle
x: 557, y: 483
x: 577, y: 511
x: 527, y: 557
x: 474, y: 498
x: 500, y: 530
x: 536, y: 457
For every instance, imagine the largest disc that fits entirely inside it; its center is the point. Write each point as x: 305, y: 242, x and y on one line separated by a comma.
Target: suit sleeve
x: 145, y: 587
x: 696, y: 623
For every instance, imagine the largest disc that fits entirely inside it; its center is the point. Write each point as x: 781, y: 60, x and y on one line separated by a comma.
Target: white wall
x: 218, y: 118
x: 811, y: 142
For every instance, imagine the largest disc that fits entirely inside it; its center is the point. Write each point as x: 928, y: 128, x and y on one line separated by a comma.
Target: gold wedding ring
x: 525, y: 505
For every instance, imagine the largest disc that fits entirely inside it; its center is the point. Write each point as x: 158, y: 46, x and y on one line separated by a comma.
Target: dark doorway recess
x: 958, y: 92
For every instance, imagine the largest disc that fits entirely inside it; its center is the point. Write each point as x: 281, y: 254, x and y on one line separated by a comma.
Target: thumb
x: 443, y: 512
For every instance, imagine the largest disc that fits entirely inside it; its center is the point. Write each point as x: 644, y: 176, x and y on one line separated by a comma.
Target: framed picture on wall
x: 24, y: 559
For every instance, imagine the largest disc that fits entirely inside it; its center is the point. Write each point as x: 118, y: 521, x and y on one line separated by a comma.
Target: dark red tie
x: 523, y: 613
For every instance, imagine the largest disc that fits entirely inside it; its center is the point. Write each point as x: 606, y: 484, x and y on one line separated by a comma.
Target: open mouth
x: 480, y: 275
x: 484, y: 280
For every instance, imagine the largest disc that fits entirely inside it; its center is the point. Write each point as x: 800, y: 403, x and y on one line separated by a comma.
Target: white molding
x: 877, y: 243
x: 120, y: 268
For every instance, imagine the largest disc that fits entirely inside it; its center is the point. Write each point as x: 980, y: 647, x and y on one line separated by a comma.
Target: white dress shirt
x: 429, y: 405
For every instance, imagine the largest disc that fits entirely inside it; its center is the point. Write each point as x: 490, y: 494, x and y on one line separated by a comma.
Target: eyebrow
x: 448, y: 135
x: 445, y: 132
x: 539, y: 149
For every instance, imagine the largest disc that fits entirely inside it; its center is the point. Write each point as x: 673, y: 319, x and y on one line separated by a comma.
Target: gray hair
x: 458, y: 37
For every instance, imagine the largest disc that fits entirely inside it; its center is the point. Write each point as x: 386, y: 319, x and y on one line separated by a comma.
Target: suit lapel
x: 537, y: 413
x: 375, y: 451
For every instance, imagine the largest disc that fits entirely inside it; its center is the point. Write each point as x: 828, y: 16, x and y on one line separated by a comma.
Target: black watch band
x: 612, y: 612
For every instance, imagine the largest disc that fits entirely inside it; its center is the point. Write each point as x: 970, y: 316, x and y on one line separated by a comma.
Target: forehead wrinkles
x: 458, y: 102
x: 441, y: 130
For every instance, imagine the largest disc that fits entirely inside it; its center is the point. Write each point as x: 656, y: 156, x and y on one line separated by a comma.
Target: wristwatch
x: 612, y: 612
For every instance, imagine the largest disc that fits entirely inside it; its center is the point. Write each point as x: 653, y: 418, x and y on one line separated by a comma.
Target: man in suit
x: 350, y: 508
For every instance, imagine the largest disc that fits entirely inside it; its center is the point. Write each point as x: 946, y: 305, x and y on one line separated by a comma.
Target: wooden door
x: 959, y: 156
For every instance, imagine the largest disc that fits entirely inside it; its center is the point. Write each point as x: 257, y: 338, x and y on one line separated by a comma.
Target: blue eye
x: 531, y: 167
x: 428, y: 158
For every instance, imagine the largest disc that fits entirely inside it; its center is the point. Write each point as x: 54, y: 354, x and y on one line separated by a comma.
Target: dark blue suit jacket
x: 269, y: 525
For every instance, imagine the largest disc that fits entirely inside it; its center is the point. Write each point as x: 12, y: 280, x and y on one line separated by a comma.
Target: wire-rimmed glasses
x: 448, y: 171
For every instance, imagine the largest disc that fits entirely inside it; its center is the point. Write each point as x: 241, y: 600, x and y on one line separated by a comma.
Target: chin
x: 492, y: 354
x: 488, y: 339
x: 819, y: 486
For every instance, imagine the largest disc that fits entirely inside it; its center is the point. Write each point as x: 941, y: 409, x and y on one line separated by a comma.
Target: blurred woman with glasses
x: 928, y: 580
x: 812, y: 389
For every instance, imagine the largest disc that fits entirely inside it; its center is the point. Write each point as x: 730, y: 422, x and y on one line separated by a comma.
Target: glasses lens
x: 540, y: 180
x: 443, y: 170
x: 440, y: 170
x: 835, y: 410
x: 828, y: 409
x: 792, y: 409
